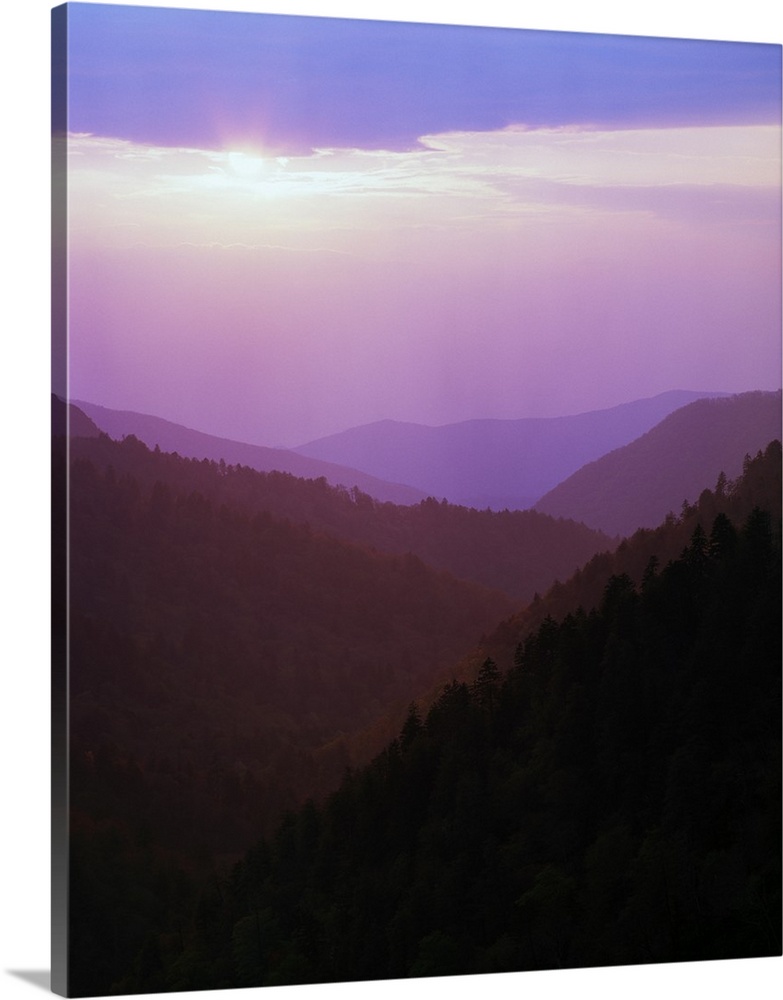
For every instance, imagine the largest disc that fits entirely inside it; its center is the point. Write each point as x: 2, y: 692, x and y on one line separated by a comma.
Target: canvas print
x: 416, y: 466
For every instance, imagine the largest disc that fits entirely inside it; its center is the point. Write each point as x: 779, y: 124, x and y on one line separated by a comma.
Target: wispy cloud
x: 244, y: 197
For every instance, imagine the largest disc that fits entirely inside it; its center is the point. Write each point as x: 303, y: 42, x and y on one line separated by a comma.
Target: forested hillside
x: 217, y: 655
x: 615, y: 798
x: 217, y: 641
x: 519, y: 552
x: 222, y: 656
x: 759, y: 485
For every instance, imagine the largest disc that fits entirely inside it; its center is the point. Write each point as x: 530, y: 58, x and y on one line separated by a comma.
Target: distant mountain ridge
x: 494, y: 463
x: 172, y: 437
x: 637, y: 485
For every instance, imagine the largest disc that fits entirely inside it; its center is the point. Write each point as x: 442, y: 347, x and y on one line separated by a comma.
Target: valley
x: 243, y: 641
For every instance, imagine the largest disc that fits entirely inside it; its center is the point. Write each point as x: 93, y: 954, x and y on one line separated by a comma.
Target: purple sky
x: 282, y: 227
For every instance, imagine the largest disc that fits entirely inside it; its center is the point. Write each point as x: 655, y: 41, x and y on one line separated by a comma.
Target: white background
x: 24, y: 523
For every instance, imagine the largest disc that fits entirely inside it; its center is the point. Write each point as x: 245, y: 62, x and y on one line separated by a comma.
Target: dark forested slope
x: 215, y: 655
x: 614, y: 799
x: 636, y: 557
x: 230, y: 632
x: 759, y: 485
x: 637, y: 485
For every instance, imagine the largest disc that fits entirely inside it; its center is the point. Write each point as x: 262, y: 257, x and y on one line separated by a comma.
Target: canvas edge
x: 59, y: 514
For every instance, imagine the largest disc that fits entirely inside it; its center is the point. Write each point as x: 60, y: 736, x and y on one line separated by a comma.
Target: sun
x: 246, y: 165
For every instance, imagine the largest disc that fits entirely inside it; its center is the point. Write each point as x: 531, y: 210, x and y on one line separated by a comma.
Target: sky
x: 280, y: 227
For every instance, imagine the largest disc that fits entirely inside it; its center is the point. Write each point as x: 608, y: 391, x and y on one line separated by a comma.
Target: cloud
x: 453, y: 182
x: 207, y: 79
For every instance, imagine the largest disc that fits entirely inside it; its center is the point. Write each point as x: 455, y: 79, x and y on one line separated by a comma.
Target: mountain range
x: 615, y: 470
x: 494, y: 463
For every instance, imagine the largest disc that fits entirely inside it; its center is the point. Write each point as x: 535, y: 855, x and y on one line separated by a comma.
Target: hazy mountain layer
x: 637, y: 485
x: 493, y: 463
x: 172, y: 437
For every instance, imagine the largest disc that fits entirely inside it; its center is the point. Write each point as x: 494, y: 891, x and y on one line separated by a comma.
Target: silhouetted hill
x: 173, y: 437
x: 637, y: 485
x: 493, y: 463
x: 519, y: 552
